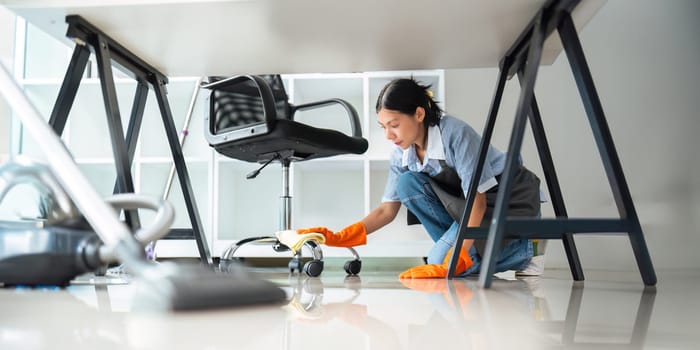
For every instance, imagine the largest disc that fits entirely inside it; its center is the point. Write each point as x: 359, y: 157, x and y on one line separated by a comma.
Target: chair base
x: 312, y: 268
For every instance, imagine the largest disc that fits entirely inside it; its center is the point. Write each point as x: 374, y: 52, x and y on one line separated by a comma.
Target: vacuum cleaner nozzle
x: 180, y: 287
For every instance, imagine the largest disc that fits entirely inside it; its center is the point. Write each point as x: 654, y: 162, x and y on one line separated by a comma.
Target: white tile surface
x: 373, y: 311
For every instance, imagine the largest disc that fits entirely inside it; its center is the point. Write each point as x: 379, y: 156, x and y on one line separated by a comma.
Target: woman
x: 430, y: 171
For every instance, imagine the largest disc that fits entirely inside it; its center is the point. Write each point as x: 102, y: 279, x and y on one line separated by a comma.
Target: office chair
x: 251, y: 119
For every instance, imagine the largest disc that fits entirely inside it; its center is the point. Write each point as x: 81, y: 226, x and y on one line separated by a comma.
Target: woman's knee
x: 411, y: 183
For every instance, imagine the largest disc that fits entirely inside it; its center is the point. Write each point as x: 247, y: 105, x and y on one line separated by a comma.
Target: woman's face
x: 400, y: 128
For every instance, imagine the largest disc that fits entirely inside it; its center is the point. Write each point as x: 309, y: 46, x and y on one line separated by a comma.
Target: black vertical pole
x: 183, y: 176
x: 69, y: 88
x: 132, y: 131
x: 497, y: 229
x: 550, y: 175
x: 134, y: 128
x: 606, y: 147
x: 483, y: 149
x: 109, y: 94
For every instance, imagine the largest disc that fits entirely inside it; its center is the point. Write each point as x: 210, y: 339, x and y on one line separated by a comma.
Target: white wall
x: 7, y: 30
x: 643, y: 56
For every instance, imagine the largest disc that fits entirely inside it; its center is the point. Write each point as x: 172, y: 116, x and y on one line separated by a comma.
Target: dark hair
x: 405, y: 95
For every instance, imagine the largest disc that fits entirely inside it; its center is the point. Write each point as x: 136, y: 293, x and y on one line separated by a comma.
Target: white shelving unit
x: 332, y: 192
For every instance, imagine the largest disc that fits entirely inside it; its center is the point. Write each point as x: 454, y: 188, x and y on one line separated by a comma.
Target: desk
x: 224, y: 37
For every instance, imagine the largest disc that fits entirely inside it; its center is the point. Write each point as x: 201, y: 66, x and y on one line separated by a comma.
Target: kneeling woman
x: 430, y: 172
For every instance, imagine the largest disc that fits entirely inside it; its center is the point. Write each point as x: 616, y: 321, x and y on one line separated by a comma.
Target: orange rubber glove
x: 440, y: 271
x: 353, y: 235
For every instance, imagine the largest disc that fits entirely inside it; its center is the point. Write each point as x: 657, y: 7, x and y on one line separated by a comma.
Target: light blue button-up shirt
x: 455, y: 142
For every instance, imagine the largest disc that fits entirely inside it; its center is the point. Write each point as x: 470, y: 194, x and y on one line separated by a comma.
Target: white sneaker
x: 535, y: 268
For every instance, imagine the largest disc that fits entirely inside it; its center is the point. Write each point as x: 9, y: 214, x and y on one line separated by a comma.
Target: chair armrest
x: 352, y: 113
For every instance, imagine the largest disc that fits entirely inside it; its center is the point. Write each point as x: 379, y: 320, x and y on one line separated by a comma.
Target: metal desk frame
x: 107, y: 52
x: 523, y: 59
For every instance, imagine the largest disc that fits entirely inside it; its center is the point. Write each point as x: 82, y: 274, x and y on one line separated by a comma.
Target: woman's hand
x: 353, y: 235
x: 440, y: 271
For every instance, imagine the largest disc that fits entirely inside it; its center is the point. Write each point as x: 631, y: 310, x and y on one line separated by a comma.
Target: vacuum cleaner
x: 59, y: 245
x: 52, y: 253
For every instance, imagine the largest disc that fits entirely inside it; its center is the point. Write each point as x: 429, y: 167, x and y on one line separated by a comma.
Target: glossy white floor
x: 373, y: 311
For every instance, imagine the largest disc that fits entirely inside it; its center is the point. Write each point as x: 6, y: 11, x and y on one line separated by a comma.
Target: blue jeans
x: 416, y: 193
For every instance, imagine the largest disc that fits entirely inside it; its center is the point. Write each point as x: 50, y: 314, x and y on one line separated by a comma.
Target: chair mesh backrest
x: 240, y: 105
x: 237, y: 106
x: 280, y: 95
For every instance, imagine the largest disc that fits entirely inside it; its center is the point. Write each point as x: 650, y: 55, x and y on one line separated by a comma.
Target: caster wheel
x: 313, y: 268
x: 353, y: 267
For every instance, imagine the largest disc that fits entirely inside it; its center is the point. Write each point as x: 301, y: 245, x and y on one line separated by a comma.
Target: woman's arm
x: 356, y: 234
x: 478, y: 210
x: 380, y: 216
x: 386, y: 212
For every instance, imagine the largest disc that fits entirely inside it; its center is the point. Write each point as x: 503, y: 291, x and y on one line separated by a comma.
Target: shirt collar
x: 435, y: 148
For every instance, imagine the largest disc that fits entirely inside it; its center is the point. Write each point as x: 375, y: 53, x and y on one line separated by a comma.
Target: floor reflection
x: 312, y: 319
x: 375, y: 311
x: 568, y: 327
x: 517, y: 313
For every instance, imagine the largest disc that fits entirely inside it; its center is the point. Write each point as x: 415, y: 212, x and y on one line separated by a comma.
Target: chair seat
x: 307, y: 142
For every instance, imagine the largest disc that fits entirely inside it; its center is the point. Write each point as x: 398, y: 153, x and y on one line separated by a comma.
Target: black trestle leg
x: 132, y: 131
x: 108, y: 52
x: 483, y: 148
x: 552, y: 180
x: 524, y: 58
x: 183, y: 176
x: 109, y: 93
x: 498, y: 223
x: 69, y: 88
x: 606, y: 147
